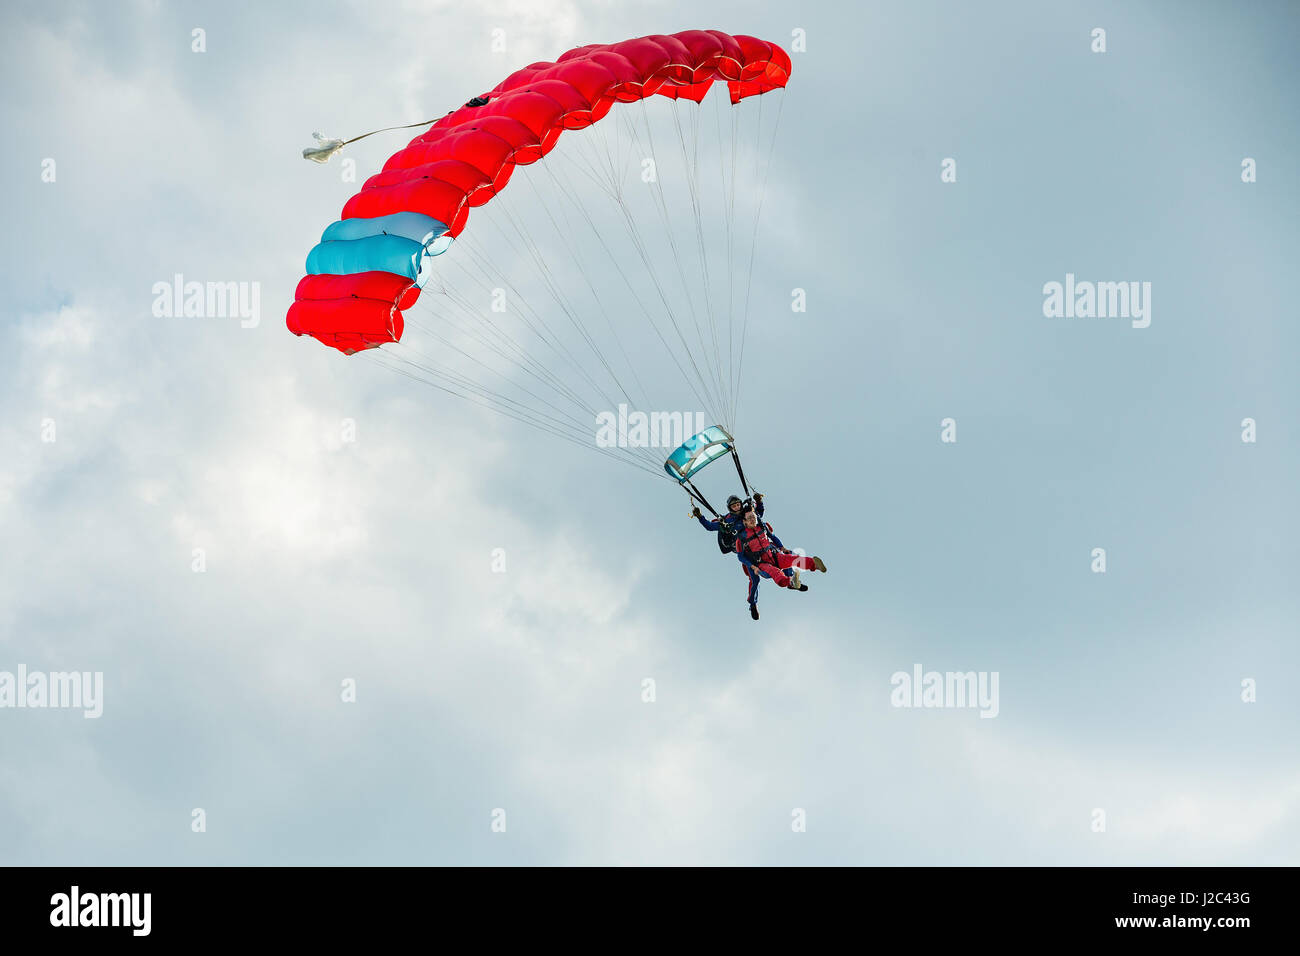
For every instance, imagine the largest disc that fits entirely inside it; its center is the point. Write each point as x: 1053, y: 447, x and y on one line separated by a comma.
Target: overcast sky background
x: 372, y: 560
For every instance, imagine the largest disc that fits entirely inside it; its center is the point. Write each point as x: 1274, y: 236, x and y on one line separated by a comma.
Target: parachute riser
x: 740, y: 471
x: 698, y: 496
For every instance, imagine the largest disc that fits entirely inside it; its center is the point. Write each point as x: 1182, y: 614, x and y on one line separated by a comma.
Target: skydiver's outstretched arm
x: 705, y: 522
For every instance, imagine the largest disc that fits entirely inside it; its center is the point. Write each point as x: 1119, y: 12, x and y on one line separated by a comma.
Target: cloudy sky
x: 607, y: 690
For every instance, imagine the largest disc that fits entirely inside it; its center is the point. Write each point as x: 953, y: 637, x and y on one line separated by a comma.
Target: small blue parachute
x: 697, y: 451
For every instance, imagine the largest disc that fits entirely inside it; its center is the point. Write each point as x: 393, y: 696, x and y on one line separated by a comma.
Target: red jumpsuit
x: 755, y: 547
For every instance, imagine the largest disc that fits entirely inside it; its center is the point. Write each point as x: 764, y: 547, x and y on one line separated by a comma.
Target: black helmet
x: 733, y: 500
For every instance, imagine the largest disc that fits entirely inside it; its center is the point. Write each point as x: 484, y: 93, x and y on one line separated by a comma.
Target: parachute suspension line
x: 530, y: 366
x: 657, y: 193
x: 563, y: 232
x: 576, y: 198
x: 615, y: 191
x: 735, y: 456
x: 753, y: 243
x: 711, y: 404
x: 710, y: 401
x: 603, y: 165
x: 691, y: 164
x: 516, y: 354
x: 401, y: 347
x: 696, y: 494
x: 477, y: 326
x: 729, y: 219
x: 462, y: 387
x: 482, y: 261
x: 523, y: 417
x: 521, y: 359
x: 554, y: 288
x: 445, y: 374
x: 591, y: 286
x: 589, y: 166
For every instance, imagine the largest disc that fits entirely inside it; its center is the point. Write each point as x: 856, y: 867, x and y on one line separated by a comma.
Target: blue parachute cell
x: 697, y: 451
x: 398, y: 243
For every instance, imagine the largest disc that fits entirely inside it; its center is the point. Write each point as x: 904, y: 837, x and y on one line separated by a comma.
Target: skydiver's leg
x: 795, y: 561
x: 776, y: 574
x: 753, y: 591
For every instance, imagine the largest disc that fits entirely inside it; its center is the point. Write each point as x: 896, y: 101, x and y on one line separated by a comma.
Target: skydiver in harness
x: 729, y: 525
x: 762, y: 553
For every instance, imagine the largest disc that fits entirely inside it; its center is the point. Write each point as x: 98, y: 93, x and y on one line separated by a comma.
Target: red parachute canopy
x: 468, y: 155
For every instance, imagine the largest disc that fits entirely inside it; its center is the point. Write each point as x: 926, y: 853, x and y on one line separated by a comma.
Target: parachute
x: 698, y: 451
x: 693, y: 456
x: 406, y: 233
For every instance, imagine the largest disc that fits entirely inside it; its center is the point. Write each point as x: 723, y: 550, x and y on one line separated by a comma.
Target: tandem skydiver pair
x: 761, y: 553
x: 741, y: 529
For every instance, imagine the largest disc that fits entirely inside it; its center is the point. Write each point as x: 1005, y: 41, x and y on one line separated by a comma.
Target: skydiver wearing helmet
x: 730, y: 524
x: 762, y: 553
